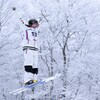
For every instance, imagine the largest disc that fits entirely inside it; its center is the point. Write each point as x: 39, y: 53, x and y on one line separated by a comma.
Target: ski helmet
x: 32, y: 21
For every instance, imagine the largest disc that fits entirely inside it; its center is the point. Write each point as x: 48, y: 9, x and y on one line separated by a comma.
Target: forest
x: 69, y: 43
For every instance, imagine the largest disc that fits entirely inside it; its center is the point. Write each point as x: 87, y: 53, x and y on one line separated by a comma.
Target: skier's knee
x: 35, y: 70
x: 28, y: 68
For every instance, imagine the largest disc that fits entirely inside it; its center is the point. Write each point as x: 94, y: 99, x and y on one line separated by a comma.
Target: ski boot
x: 31, y: 82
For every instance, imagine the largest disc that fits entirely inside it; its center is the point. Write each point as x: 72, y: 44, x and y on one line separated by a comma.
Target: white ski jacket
x: 30, y: 38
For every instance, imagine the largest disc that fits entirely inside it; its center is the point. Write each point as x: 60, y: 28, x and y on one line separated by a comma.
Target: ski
x: 25, y: 88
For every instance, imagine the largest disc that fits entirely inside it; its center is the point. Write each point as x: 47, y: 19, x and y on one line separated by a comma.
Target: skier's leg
x: 28, y: 66
x: 35, y: 74
x: 35, y: 65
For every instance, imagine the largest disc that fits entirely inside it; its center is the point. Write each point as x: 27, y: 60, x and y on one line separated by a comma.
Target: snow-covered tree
x: 69, y: 43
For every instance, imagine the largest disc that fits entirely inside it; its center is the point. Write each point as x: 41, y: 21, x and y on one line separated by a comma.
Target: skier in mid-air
x: 30, y: 49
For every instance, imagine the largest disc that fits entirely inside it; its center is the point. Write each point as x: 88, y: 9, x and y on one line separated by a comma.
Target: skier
x: 30, y: 49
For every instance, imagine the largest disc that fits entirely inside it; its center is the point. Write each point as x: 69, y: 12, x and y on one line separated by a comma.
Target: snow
x: 73, y: 24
